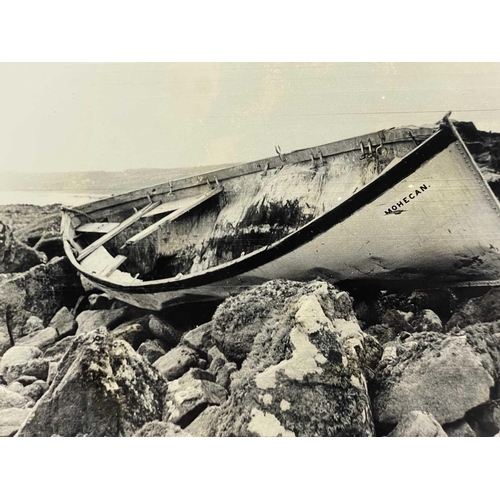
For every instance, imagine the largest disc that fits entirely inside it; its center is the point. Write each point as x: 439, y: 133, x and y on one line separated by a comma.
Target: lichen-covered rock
x: 459, y: 429
x: 418, y: 424
x: 11, y: 420
x: 15, y: 360
x: 64, y: 322
x: 189, y: 395
x: 102, y: 388
x: 483, y: 309
x: 161, y: 429
x: 446, y: 375
x: 151, y: 350
x: 41, y: 292
x: 303, y: 373
x: 41, y: 339
x: 200, y: 339
x: 16, y: 256
x: 176, y: 362
x: 11, y: 399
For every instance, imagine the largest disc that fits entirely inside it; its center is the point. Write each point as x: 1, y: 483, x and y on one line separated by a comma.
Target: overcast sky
x: 62, y: 117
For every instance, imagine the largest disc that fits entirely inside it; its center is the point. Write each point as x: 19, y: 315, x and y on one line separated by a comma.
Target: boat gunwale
x: 433, y: 145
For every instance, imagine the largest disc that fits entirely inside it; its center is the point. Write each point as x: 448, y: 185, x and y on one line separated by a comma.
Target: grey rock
x: 223, y: 376
x: 33, y: 324
x: 59, y: 349
x: 303, y: 371
x: 16, y: 359
x: 427, y: 321
x: 26, y: 380
x: 18, y: 354
x: 90, y: 320
x: 102, y: 388
x: 440, y: 374
x: 53, y: 366
x: 131, y: 331
x: 203, y: 424
x: 15, y: 386
x: 485, y: 419
x: 176, y: 362
x: 35, y: 390
x: 16, y: 256
x: 64, y: 322
x: 214, y: 353
x: 418, y: 424
x: 11, y: 420
x: 151, y: 350
x: 188, y: 396
x: 38, y: 368
x: 163, y: 331
x: 99, y: 301
x: 41, y: 339
x: 11, y: 399
x: 217, y: 364
x: 459, y: 429
x: 200, y: 339
x: 161, y: 429
x: 482, y: 309
x: 41, y: 292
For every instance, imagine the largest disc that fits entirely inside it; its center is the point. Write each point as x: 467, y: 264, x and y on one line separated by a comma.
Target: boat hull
x: 426, y: 222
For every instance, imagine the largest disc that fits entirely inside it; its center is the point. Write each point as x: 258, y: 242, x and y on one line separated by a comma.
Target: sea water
x: 67, y: 198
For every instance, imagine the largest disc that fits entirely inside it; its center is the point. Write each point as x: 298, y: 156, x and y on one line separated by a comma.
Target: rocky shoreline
x: 281, y: 359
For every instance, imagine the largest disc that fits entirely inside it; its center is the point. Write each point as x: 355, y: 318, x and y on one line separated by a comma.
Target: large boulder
x: 40, y: 292
x: 303, y: 372
x: 102, y: 388
x: 418, y: 424
x: 446, y: 375
x: 16, y: 256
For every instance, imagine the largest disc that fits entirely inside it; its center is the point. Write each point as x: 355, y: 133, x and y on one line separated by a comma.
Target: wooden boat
x: 405, y: 207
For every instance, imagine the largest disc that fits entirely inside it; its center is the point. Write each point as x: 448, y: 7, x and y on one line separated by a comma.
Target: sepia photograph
x: 245, y: 249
